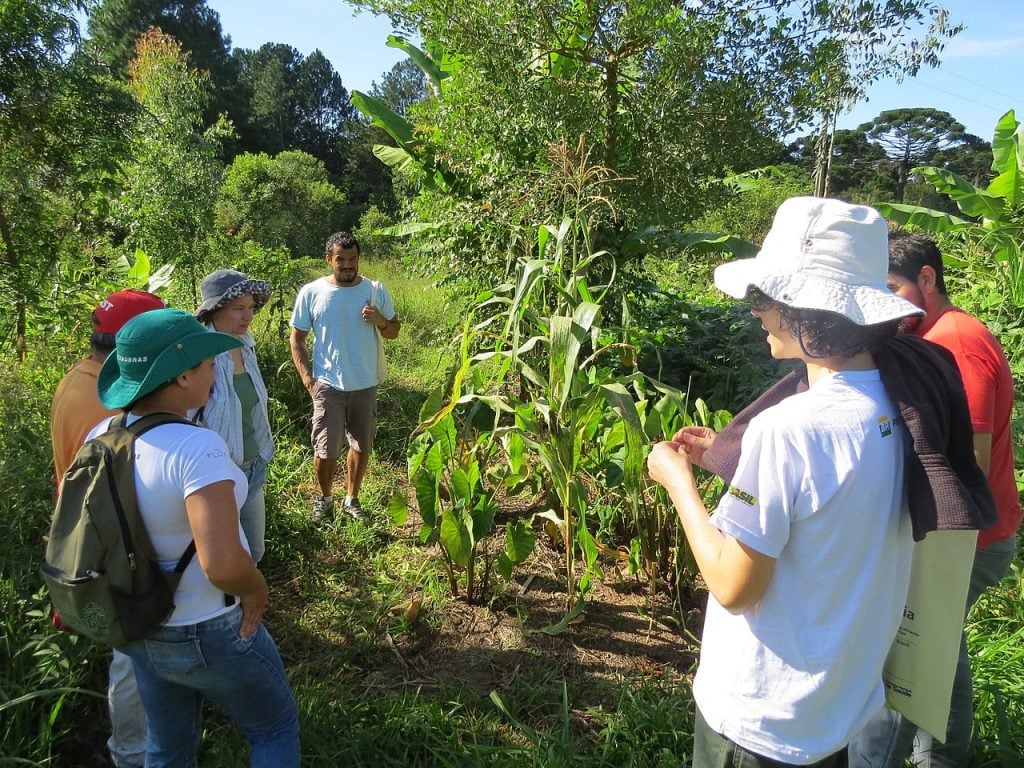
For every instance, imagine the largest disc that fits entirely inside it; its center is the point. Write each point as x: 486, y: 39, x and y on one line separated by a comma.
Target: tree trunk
x: 611, y: 111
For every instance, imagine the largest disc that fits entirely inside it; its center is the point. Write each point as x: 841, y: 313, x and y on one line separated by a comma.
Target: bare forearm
x: 242, y: 579
x: 300, y: 359
x: 705, y: 540
x: 389, y: 328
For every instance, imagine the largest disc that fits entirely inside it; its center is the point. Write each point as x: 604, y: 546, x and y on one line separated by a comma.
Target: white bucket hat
x: 822, y: 254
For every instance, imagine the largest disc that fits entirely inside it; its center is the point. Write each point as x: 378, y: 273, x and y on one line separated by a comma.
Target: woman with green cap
x: 213, y: 645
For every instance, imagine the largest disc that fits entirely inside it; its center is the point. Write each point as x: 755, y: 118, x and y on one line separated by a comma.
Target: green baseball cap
x: 154, y: 348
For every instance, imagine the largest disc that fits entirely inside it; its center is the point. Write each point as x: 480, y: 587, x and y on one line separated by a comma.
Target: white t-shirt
x: 173, y: 461
x: 819, y: 486
x: 344, y: 345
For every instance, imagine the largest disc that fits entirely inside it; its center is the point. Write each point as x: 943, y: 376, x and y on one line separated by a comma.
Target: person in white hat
x: 237, y: 408
x: 807, y: 556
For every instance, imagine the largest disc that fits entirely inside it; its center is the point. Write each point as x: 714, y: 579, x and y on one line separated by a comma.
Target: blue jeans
x: 127, y: 742
x: 253, y: 513
x: 178, y: 667
x: 888, y: 738
x: 713, y: 750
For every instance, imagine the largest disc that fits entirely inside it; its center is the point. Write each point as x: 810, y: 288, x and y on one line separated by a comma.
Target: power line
x: 980, y: 85
x: 964, y: 98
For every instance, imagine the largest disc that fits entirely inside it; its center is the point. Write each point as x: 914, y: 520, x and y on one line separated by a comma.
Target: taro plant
x: 447, y: 460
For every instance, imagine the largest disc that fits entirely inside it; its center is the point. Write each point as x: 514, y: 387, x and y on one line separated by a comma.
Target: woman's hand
x: 668, y: 464
x: 254, y: 604
x: 695, y: 441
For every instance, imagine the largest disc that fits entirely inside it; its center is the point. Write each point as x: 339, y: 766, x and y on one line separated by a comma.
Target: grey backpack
x: 100, y: 567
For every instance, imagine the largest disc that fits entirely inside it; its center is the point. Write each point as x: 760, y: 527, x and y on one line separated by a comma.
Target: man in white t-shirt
x: 346, y: 313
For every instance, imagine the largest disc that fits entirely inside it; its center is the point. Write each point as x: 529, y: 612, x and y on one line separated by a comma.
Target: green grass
x: 364, y: 696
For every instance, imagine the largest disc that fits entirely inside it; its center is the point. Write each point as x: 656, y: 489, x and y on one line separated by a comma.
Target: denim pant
x: 713, y: 750
x: 253, y: 513
x: 888, y: 739
x: 127, y: 743
x: 178, y: 667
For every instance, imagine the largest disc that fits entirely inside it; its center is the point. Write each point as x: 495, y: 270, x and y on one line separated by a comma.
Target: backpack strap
x: 139, y: 427
x: 150, y: 421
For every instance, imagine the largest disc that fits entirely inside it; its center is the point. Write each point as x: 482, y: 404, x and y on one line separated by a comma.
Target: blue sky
x: 980, y: 77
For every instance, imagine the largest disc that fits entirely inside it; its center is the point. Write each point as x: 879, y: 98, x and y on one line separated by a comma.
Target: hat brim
x: 259, y: 289
x: 861, y: 304
x: 117, y: 392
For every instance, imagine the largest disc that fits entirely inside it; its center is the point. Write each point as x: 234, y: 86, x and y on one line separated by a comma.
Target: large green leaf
x: 160, y: 279
x: 1005, y: 145
x: 410, y: 228
x: 482, y: 514
x: 396, y: 126
x: 974, y: 202
x: 398, y: 509
x: 462, y: 489
x: 1008, y: 162
x: 621, y: 401
x: 566, y: 339
x: 923, y: 218
x: 395, y: 158
x: 457, y: 536
x: 429, y: 67
x: 519, y: 540
x: 426, y: 497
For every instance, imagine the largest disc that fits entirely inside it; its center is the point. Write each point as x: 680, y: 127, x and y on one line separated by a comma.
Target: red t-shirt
x: 989, y: 387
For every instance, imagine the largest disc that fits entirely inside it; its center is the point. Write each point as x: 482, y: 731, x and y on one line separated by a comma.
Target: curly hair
x: 342, y: 239
x: 821, y: 333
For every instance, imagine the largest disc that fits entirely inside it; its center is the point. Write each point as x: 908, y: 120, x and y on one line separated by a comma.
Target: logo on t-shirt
x: 885, y: 426
x: 743, y: 496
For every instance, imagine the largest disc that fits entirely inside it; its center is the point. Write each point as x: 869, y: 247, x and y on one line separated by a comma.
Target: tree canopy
x: 665, y: 95
x: 913, y: 136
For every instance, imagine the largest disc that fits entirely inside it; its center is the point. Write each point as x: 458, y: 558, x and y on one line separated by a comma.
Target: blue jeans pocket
x: 175, y: 658
x: 241, y: 644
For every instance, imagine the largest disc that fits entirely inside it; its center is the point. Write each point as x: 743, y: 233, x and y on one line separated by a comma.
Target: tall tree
x: 666, y: 95
x: 295, y: 102
x: 285, y: 201
x: 401, y: 87
x: 912, y: 137
x: 325, y: 112
x: 116, y: 25
x: 62, y: 133
x: 859, y: 171
x: 172, y: 181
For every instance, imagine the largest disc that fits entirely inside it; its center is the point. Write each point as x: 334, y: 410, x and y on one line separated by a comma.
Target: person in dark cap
x: 76, y: 409
x: 237, y: 408
x: 213, y: 645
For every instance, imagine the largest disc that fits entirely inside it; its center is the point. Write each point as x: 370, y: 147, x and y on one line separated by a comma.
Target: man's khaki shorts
x: 340, y: 417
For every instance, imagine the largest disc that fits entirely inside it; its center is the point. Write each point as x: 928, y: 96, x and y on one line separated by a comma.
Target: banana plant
x: 993, y: 218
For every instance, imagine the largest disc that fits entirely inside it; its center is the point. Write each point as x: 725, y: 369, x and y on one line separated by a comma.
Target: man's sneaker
x: 323, y: 508
x: 352, y: 508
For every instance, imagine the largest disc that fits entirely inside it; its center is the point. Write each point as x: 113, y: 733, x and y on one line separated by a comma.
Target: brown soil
x: 625, y: 631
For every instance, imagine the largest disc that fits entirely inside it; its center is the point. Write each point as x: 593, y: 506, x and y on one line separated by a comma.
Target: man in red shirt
x: 75, y: 410
x: 915, y: 274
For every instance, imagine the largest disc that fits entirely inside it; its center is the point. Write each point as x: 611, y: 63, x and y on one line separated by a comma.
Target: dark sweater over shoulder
x: 946, y: 489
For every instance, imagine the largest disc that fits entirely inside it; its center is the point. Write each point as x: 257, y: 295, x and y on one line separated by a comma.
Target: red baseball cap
x: 118, y: 308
